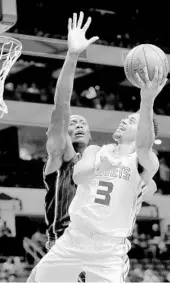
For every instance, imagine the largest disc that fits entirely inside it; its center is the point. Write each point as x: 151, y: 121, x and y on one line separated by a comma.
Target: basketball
x: 144, y: 55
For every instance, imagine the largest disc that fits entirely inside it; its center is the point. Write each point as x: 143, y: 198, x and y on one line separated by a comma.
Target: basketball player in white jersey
x: 113, y: 180
x: 110, y: 182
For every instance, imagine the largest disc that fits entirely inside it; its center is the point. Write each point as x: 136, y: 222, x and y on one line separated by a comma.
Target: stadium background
x: 103, y: 95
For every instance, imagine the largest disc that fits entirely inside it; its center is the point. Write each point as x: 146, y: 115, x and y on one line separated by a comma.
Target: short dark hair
x: 155, y: 123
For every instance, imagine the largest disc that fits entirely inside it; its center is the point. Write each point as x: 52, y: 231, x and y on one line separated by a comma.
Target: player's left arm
x: 84, y: 170
x: 145, y: 132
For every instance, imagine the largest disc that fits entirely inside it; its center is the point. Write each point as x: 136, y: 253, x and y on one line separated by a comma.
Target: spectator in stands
x: 110, y: 102
x: 164, y: 250
x: 39, y: 239
x: 8, y: 267
x: 33, y: 89
x: 152, y: 251
x: 43, y: 96
x: 149, y: 276
x: 136, y: 275
x: 143, y: 243
x: 18, y: 92
x: 164, y: 173
x: 5, y: 231
x: 87, y: 97
x: 167, y: 234
x: 155, y: 231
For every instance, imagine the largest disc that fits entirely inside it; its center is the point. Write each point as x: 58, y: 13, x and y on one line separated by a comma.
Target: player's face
x: 127, y: 128
x: 79, y: 130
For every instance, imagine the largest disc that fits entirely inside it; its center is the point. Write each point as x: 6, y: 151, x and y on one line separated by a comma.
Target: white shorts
x: 74, y: 252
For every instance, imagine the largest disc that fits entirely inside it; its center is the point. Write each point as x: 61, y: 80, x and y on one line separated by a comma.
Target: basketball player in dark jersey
x: 59, y: 183
x: 68, y: 136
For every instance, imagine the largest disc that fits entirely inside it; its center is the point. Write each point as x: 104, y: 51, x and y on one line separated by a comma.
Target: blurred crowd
x: 13, y: 269
x: 149, y: 271
x: 162, y: 177
x: 115, y: 25
x: 123, y: 99
x: 5, y: 231
x: 16, y: 269
x: 149, y: 257
x: 151, y: 245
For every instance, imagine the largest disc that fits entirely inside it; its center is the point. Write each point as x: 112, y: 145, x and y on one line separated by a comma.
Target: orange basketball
x: 144, y: 55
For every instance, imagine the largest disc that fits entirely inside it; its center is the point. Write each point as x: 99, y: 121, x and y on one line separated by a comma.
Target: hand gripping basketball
x: 150, y: 89
x: 77, y: 41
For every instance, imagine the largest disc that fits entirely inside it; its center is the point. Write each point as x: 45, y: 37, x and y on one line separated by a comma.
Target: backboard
x: 8, y: 14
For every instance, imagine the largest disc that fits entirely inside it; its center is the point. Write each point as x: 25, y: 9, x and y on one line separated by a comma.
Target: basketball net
x: 10, y: 50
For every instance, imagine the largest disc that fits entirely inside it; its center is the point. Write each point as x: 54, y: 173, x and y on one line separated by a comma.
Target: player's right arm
x: 58, y: 130
x: 145, y: 132
x: 59, y: 121
x: 150, y: 191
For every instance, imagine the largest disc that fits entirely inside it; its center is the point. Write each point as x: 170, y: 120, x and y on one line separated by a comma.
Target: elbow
x: 152, y: 188
x: 149, y: 194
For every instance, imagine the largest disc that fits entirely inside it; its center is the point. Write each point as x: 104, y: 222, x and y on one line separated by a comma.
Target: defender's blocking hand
x: 77, y: 41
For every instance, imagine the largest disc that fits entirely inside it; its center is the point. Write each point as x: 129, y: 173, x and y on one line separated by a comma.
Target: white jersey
x: 111, y: 202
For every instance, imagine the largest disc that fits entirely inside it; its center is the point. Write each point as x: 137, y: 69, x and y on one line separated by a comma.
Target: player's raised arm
x: 145, y: 132
x: 58, y: 128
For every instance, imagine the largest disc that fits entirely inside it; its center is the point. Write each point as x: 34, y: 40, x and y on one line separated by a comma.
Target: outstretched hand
x: 77, y: 41
x: 150, y: 89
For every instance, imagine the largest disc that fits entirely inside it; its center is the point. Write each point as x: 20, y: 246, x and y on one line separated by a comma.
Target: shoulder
x: 91, y: 150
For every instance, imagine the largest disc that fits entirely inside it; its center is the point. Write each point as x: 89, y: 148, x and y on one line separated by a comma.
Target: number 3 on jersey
x: 105, y: 193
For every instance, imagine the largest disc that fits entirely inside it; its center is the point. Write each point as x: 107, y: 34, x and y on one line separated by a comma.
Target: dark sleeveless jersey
x: 60, y: 192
